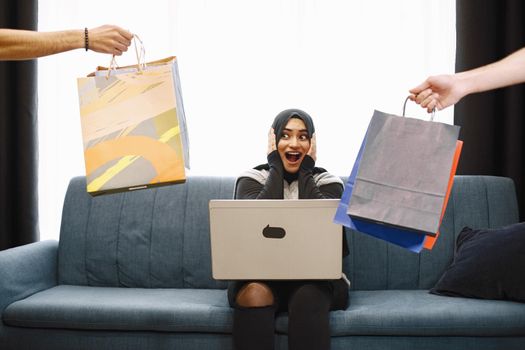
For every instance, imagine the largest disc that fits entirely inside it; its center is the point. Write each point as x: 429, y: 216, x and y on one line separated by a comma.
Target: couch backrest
x: 475, y: 201
x: 155, y: 238
x: 159, y: 238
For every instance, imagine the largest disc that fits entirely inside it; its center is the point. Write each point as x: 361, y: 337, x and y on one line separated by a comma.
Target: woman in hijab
x: 289, y: 174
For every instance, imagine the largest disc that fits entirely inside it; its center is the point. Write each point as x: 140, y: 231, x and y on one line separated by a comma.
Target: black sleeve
x: 248, y: 188
x: 308, y: 189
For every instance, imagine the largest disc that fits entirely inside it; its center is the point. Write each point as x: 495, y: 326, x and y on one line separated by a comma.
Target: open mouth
x: 293, y: 157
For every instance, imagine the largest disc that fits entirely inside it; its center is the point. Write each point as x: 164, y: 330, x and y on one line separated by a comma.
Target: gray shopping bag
x: 404, y: 173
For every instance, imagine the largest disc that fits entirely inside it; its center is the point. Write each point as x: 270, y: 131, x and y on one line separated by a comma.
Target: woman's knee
x: 310, y: 296
x: 255, y: 294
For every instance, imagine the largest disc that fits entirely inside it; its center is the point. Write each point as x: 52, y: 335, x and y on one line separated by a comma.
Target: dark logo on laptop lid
x: 273, y: 232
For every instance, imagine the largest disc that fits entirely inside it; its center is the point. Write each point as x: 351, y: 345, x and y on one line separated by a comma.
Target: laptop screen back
x: 275, y: 239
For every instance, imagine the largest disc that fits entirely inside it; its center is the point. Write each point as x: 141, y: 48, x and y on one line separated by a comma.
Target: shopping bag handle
x: 431, y: 115
x: 141, y: 57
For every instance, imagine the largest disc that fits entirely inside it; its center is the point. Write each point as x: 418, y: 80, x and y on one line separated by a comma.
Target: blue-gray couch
x: 132, y: 271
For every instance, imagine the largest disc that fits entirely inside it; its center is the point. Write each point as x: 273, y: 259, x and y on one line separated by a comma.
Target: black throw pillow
x: 488, y: 264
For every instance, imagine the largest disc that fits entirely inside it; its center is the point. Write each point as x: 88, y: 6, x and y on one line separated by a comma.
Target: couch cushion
x: 488, y: 264
x: 105, y: 308
x: 419, y: 313
x: 376, y: 313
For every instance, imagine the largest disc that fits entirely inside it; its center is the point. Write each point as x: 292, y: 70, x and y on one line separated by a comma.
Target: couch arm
x: 26, y: 270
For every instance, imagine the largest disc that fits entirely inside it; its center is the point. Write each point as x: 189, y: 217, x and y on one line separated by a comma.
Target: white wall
x: 243, y: 61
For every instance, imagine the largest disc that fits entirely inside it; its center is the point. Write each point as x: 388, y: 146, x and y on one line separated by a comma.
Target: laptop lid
x: 275, y: 239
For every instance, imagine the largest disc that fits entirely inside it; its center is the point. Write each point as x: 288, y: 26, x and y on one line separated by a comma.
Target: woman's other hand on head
x: 312, y: 152
x: 272, y: 145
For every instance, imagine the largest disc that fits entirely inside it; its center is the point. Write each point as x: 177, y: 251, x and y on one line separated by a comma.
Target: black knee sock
x: 254, y: 328
x: 308, y: 326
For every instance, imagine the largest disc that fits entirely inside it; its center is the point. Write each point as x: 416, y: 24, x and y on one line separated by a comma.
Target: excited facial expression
x: 293, y: 144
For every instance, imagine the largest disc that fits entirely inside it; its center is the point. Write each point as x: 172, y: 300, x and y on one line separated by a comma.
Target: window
x: 241, y: 62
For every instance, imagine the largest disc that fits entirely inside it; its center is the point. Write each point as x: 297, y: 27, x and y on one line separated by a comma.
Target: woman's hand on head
x: 312, y: 152
x: 272, y: 144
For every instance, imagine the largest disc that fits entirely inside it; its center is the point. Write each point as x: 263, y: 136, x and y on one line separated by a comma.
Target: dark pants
x: 308, y: 304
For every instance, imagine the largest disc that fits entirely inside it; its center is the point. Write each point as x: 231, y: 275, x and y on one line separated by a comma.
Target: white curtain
x: 243, y: 61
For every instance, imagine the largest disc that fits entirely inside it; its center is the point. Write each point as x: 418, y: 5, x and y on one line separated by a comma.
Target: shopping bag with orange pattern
x: 133, y: 127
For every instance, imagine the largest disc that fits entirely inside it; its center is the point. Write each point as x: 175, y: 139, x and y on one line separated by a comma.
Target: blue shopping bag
x: 408, y: 239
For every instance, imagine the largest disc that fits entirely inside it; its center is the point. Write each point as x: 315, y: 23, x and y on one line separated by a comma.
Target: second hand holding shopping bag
x: 404, y: 173
x: 406, y: 238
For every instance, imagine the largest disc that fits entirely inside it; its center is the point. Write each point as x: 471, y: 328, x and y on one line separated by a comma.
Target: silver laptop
x: 275, y: 239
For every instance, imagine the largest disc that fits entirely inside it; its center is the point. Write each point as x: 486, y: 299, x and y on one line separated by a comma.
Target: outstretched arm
x: 442, y: 91
x: 25, y: 44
